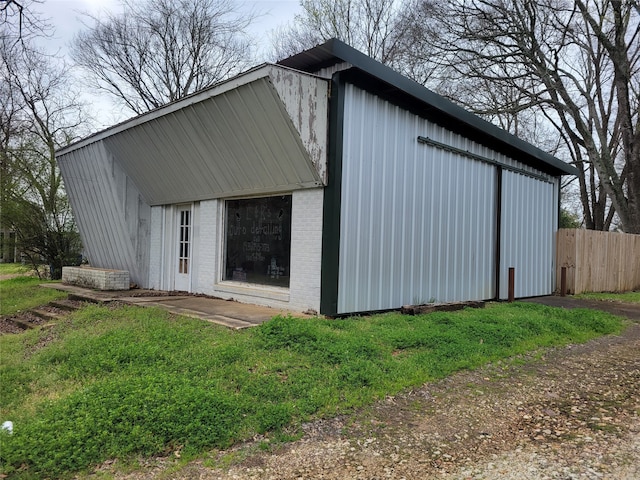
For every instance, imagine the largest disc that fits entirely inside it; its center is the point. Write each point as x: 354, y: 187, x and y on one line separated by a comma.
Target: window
x: 258, y: 240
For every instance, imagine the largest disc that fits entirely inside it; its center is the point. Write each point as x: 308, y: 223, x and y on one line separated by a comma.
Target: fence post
x: 563, y: 281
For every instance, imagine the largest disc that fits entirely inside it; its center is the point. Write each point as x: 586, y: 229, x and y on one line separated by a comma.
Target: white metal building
x: 327, y: 182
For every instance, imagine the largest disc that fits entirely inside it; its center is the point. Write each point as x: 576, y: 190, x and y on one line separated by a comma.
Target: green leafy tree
x: 569, y: 219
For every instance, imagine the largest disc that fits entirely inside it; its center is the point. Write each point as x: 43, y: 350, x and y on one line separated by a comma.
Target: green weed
x: 23, y: 293
x: 629, y: 297
x: 119, y: 383
x: 14, y: 269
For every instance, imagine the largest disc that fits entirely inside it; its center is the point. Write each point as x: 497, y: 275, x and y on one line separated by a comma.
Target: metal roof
x: 234, y: 139
x: 371, y: 75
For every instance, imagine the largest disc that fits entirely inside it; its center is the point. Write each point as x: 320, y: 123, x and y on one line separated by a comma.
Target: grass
x: 629, y: 297
x: 14, y: 269
x: 23, y: 293
x: 131, y: 381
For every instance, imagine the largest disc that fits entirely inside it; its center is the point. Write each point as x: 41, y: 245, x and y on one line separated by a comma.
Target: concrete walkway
x: 228, y: 313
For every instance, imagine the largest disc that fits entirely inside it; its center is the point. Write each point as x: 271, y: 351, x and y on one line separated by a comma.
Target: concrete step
x: 85, y: 298
x: 67, y: 305
x: 45, y: 314
x: 21, y: 324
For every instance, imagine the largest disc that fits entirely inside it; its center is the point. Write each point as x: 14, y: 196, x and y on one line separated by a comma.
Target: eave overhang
x: 377, y: 78
x: 234, y: 139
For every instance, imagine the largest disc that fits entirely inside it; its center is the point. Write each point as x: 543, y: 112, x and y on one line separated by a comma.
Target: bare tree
x: 577, y: 64
x: 158, y: 51
x: 378, y: 28
x: 20, y: 22
x: 368, y: 25
x: 38, y: 114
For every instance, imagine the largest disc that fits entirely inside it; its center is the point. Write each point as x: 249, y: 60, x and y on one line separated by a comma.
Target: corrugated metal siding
x: 417, y: 222
x: 113, y: 219
x: 528, y: 225
x: 240, y: 142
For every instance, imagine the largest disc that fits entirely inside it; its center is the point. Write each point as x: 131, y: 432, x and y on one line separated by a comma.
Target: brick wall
x: 306, y: 249
x: 208, y: 247
x: 97, y: 278
x: 306, y: 255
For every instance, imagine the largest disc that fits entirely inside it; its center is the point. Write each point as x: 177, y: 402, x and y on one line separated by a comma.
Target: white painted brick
x: 306, y: 258
x: 208, y: 261
x: 97, y: 278
x: 306, y: 249
x: 306, y: 255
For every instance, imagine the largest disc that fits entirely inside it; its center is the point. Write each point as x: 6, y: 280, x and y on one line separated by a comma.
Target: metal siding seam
x: 232, y: 184
x: 271, y: 141
x: 360, y: 250
x: 179, y: 150
x: 423, y: 220
x: 383, y: 284
x: 416, y: 240
x: 403, y: 240
x: 278, y: 150
x: 432, y: 231
x: 438, y: 213
x: 68, y: 165
x: 121, y: 246
x: 200, y: 169
x: 101, y: 197
x: 247, y: 148
x: 378, y: 223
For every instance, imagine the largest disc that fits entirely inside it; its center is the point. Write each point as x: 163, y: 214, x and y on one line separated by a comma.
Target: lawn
x: 127, y: 382
x: 23, y: 293
x: 13, y: 269
x: 629, y: 297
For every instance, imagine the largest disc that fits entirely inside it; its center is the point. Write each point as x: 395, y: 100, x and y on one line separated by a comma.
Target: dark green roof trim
x: 373, y: 76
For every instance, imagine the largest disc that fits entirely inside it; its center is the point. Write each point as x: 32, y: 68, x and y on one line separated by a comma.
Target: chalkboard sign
x: 258, y: 240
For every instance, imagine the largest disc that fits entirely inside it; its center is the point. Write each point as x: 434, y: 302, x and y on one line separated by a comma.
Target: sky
x: 66, y: 17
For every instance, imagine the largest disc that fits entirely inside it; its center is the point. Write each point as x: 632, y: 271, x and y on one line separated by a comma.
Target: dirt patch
x: 20, y: 321
x: 7, y: 325
x: 569, y: 413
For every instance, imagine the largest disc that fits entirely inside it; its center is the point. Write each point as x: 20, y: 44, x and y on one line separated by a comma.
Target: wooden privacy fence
x: 598, y: 261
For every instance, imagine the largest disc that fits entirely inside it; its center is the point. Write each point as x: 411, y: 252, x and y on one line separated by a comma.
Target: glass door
x: 183, y: 265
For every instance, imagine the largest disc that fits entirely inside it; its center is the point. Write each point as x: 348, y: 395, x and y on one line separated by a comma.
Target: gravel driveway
x: 572, y: 413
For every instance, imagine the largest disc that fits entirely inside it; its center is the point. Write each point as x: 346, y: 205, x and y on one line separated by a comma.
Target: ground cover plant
x: 129, y: 381
x: 23, y: 293
x: 13, y: 269
x: 629, y: 297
